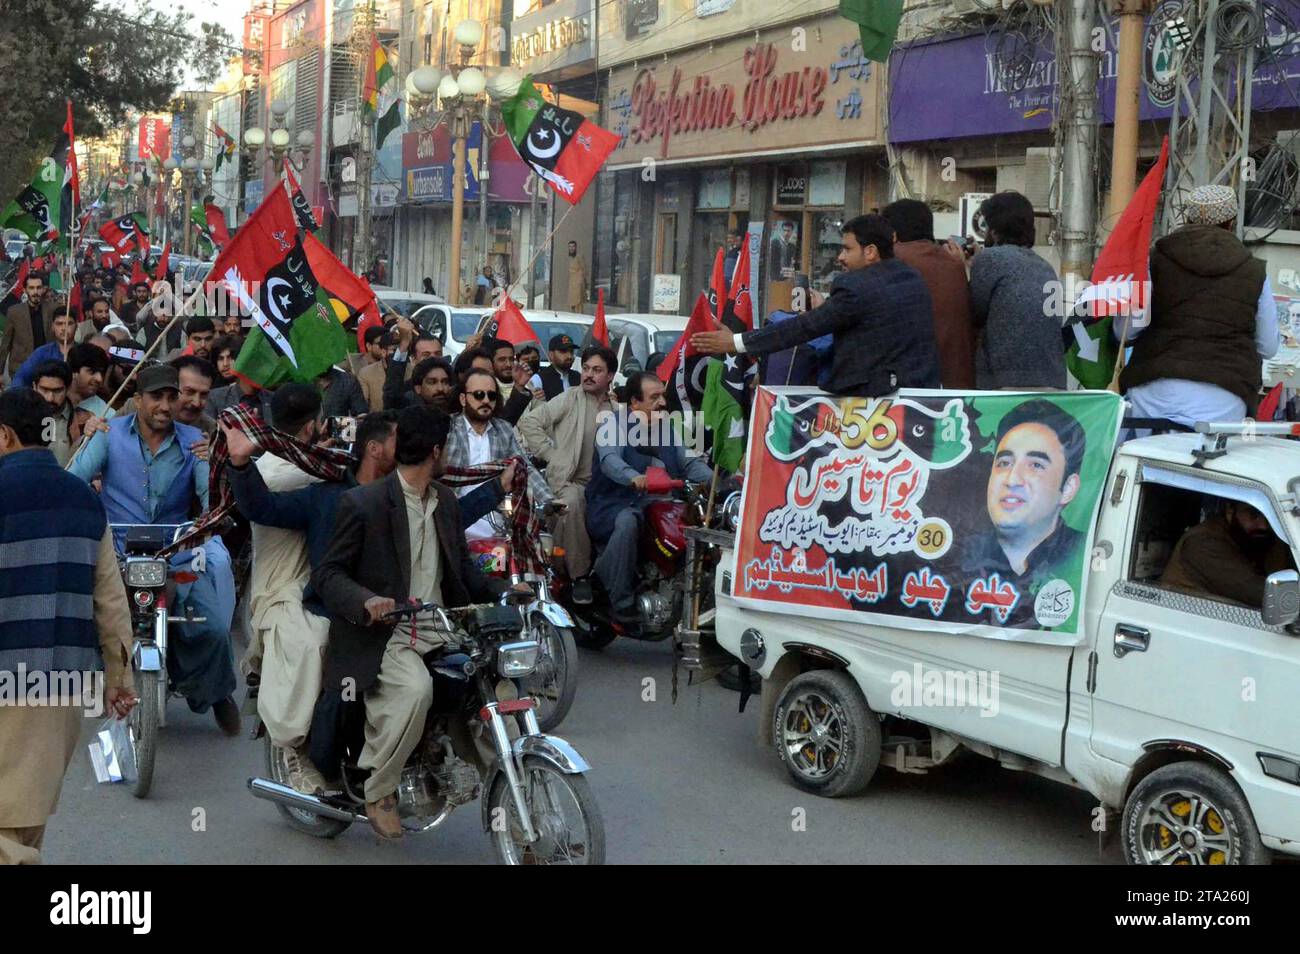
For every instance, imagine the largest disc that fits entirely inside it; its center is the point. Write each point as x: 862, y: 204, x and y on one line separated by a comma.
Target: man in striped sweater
x: 63, y: 617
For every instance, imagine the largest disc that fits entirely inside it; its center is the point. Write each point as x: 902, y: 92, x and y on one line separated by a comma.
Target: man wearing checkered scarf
x: 1213, y: 320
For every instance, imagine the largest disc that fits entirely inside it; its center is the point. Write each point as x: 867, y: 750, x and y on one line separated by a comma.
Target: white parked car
x: 403, y: 302
x: 454, y: 324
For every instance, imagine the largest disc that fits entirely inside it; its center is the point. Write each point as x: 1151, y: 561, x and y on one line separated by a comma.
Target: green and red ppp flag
x: 41, y: 211
x: 274, y: 276
x: 560, y: 145
x: 124, y: 230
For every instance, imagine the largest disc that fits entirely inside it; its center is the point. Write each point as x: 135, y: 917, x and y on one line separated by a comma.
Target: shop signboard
x: 666, y: 293
x: 756, y: 93
x: 992, y: 87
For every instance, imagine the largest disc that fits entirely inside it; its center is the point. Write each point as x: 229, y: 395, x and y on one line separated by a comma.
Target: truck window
x: 1214, y: 546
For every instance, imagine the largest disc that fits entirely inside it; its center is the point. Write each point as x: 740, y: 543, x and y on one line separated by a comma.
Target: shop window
x: 714, y: 189
x: 825, y: 242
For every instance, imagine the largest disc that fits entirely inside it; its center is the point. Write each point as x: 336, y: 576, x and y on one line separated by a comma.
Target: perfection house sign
x: 785, y: 90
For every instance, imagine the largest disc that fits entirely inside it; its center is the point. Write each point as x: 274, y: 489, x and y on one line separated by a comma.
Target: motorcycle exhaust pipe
x: 285, y: 795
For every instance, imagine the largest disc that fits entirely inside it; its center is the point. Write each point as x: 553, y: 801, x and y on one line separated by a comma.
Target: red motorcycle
x: 553, y: 684
x: 674, y: 506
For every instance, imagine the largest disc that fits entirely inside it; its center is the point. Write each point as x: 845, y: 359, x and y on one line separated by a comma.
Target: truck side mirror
x: 1281, y: 598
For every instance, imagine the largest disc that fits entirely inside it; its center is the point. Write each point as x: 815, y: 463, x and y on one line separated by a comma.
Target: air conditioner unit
x: 1040, y: 166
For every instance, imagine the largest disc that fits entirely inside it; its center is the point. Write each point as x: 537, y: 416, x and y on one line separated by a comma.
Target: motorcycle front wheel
x: 144, y: 727
x: 564, y: 815
x: 555, y: 682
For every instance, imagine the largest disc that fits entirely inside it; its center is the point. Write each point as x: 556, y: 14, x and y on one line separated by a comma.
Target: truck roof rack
x: 1215, y: 434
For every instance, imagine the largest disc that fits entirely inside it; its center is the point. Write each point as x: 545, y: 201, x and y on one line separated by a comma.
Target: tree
x: 107, y: 58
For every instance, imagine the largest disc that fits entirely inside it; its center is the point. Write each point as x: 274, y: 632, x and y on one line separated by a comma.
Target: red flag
x: 599, y: 332
x: 350, y: 296
x: 301, y: 206
x: 742, y: 305
x: 1121, y: 277
x: 71, y: 168
x: 110, y: 260
x: 1268, y: 406
x: 137, y: 272
x: 683, y: 370
x: 16, y: 292
x: 718, y: 285
x: 160, y: 273
x: 216, y: 224
x: 74, y: 301
x: 509, y: 324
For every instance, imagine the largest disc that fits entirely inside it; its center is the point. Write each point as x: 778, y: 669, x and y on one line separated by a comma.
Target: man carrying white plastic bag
x: 65, y: 628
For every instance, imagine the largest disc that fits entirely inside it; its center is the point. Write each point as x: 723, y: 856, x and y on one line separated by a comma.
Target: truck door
x: 1169, y: 664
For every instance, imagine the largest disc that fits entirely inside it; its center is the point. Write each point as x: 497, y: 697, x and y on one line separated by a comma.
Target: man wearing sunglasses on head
x: 478, y: 436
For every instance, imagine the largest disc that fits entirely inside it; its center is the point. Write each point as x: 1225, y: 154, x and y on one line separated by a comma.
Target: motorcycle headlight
x: 547, y: 541
x: 518, y: 659
x: 146, y: 572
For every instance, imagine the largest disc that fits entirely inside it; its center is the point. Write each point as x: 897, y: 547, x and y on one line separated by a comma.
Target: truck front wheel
x: 826, y: 735
x: 1189, y: 813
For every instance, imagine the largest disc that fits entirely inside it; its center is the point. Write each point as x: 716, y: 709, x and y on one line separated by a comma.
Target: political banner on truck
x: 960, y: 513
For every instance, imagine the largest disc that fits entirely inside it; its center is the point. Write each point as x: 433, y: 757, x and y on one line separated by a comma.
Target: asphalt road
x: 677, y: 784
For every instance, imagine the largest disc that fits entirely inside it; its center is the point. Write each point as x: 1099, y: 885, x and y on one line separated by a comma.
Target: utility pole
x: 363, y: 42
x: 459, y: 133
x: 483, y: 174
x: 1128, y: 86
x: 1078, y: 84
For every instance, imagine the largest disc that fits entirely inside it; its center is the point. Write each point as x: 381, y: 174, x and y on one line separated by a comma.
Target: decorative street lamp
x: 461, y: 93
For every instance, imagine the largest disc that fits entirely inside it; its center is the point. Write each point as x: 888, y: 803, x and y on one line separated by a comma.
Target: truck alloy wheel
x: 1190, y: 813
x: 825, y: 734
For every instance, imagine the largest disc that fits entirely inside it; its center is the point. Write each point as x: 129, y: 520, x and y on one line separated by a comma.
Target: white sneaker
x: 301, y: 774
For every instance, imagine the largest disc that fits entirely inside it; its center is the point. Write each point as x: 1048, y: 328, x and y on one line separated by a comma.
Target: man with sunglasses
x: 478, y: 436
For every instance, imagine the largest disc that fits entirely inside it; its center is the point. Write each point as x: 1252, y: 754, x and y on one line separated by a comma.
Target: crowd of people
x: 80, y: 452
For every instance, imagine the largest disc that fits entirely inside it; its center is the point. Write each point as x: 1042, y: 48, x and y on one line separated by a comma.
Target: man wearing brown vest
x: 1213, y: 319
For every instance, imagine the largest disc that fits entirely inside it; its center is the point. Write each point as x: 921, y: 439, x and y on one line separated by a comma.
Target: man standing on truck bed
x: 1213, y: 319
x: 1034, y: 476
x: 878, y: 312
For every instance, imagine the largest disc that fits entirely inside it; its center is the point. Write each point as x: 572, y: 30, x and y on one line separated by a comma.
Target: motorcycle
x: 674, y: 507
x: 537, y: 805
x: 555, y: 681
x: 150, y: 582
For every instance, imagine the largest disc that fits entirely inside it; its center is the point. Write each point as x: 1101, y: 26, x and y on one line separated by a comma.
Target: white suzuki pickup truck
x: 1179, y: 711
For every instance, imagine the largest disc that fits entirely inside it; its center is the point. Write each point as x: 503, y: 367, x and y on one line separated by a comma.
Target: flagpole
x: 538, y: 251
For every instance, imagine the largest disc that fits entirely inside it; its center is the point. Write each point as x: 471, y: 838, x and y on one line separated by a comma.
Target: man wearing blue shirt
x: 151, y: 476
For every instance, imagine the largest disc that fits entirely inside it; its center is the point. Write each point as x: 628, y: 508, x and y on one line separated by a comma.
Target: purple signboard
x: 991, y: 84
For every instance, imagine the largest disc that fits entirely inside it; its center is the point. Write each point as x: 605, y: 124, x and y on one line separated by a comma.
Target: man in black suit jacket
x: 560, y: 351
x: 395, y: 538
x: 879, y: 313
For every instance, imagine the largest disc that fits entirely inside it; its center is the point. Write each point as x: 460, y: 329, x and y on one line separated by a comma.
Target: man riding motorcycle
x: 150, y: 476
x: 311, y: 511
x: 395, y: 539
x: 615, y: 494
x: 562, y: 432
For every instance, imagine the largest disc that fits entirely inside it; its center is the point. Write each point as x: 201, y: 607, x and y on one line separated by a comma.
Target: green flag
x: 877, y: 22
x: 278, y: 277
x: 199, y: 219
x: 38, y: 210
x: 723, y: 416
x: 1092, y: 354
